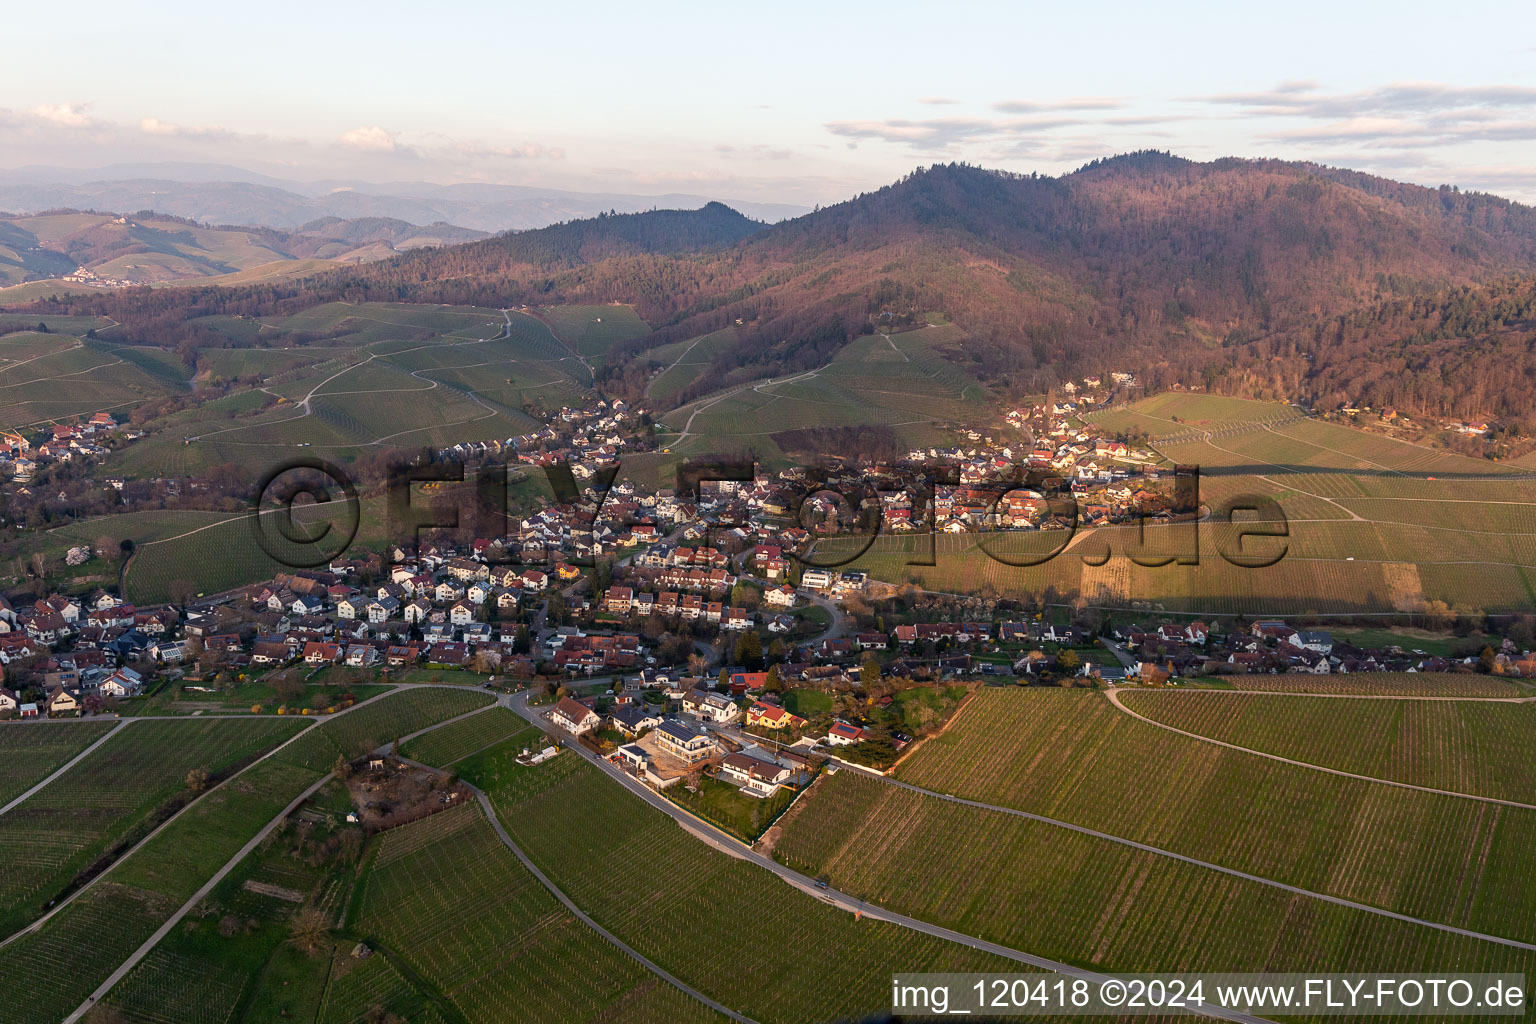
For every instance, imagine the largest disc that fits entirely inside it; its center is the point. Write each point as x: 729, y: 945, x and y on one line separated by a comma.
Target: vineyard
x: 447, y: 897
x: 592, y: 330
x: 110, y: 797
x: 30, y: 755
x: 227, y: 554
x: 379, y: 723
x: 713, y: 916
x: 1072, y: 756
x: 115, y: 916
x: 1175, y: 413
x: 442, y: 747
x: 110, y: 920
x: 1390, y: 684
x: 1086, y: 900
x: 1477, y: 747
x: 1328, y: 567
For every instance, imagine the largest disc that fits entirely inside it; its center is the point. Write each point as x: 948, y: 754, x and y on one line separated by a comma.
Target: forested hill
x: 1237, y: 271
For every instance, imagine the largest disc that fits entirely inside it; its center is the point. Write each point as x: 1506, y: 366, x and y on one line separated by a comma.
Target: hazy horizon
x: 809, y: 106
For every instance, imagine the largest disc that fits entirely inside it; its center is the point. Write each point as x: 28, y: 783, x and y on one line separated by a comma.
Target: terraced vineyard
x: 31, y: 754
x: 1072, y: 756
x: 1077, y: 898
x: 442, y: 747
x: 1478, y: 747
x: 449, y: 899
x: 583, y: 829
x: 67, y: 377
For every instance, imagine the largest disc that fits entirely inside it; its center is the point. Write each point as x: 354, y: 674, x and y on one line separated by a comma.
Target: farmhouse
x: 757, y: 777
x: 574, y: 716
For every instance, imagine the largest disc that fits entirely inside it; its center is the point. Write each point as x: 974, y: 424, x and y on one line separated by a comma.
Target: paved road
x: 733, y: 847
x: 1113, y: 693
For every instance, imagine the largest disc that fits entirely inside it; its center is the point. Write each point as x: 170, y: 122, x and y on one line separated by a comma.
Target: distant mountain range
x: 104, y: 248
x: 218, y: 194
x: 1265, y: 278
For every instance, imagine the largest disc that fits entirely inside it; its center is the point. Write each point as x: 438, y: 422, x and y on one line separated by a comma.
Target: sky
x: 792, y: 102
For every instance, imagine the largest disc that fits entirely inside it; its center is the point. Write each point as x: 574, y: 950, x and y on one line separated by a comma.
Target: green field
x: 710, y: 918
x: 1089, y: 901
x: 72, y: 378
x: 1074, y: 757
x: 1478, y: 747
x: 111, y: 798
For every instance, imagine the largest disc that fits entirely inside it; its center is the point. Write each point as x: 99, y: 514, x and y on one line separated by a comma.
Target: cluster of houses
x: 22, y: 456
x: 1271, y: 646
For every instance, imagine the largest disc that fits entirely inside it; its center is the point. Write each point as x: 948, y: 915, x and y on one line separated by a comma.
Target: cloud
x: 155, y: 126
x: 1305, y: 99
x: 1043, y: 106
x: 945, y: 132
x: 371, y: 138
x: 938, y: 101
x: 1397, y: 116
x: 65, y: 115
x: 527, y: 151
x: 757, y: 151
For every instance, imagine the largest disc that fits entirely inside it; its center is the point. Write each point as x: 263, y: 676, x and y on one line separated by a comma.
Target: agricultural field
x: 684, y: 362
x: 218, y: 966
x: 1466, y: 746
x: 1366, y: 684
x: 110, y: 920
x: 1178, y: 413
x: 117, y: 914
x: 44, y: 382
x: 446, y: 897
x: 221, y: 552
x: 583, y: 829
x: 901, y: 381
x: 593, y: 330
x: 1072, y: 756
x: 30, y: 754
x: 379, y: 723
x: 112, y: 798
x: 1078, y: 898
x: 443, y: 747
x: 1324, y: 567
